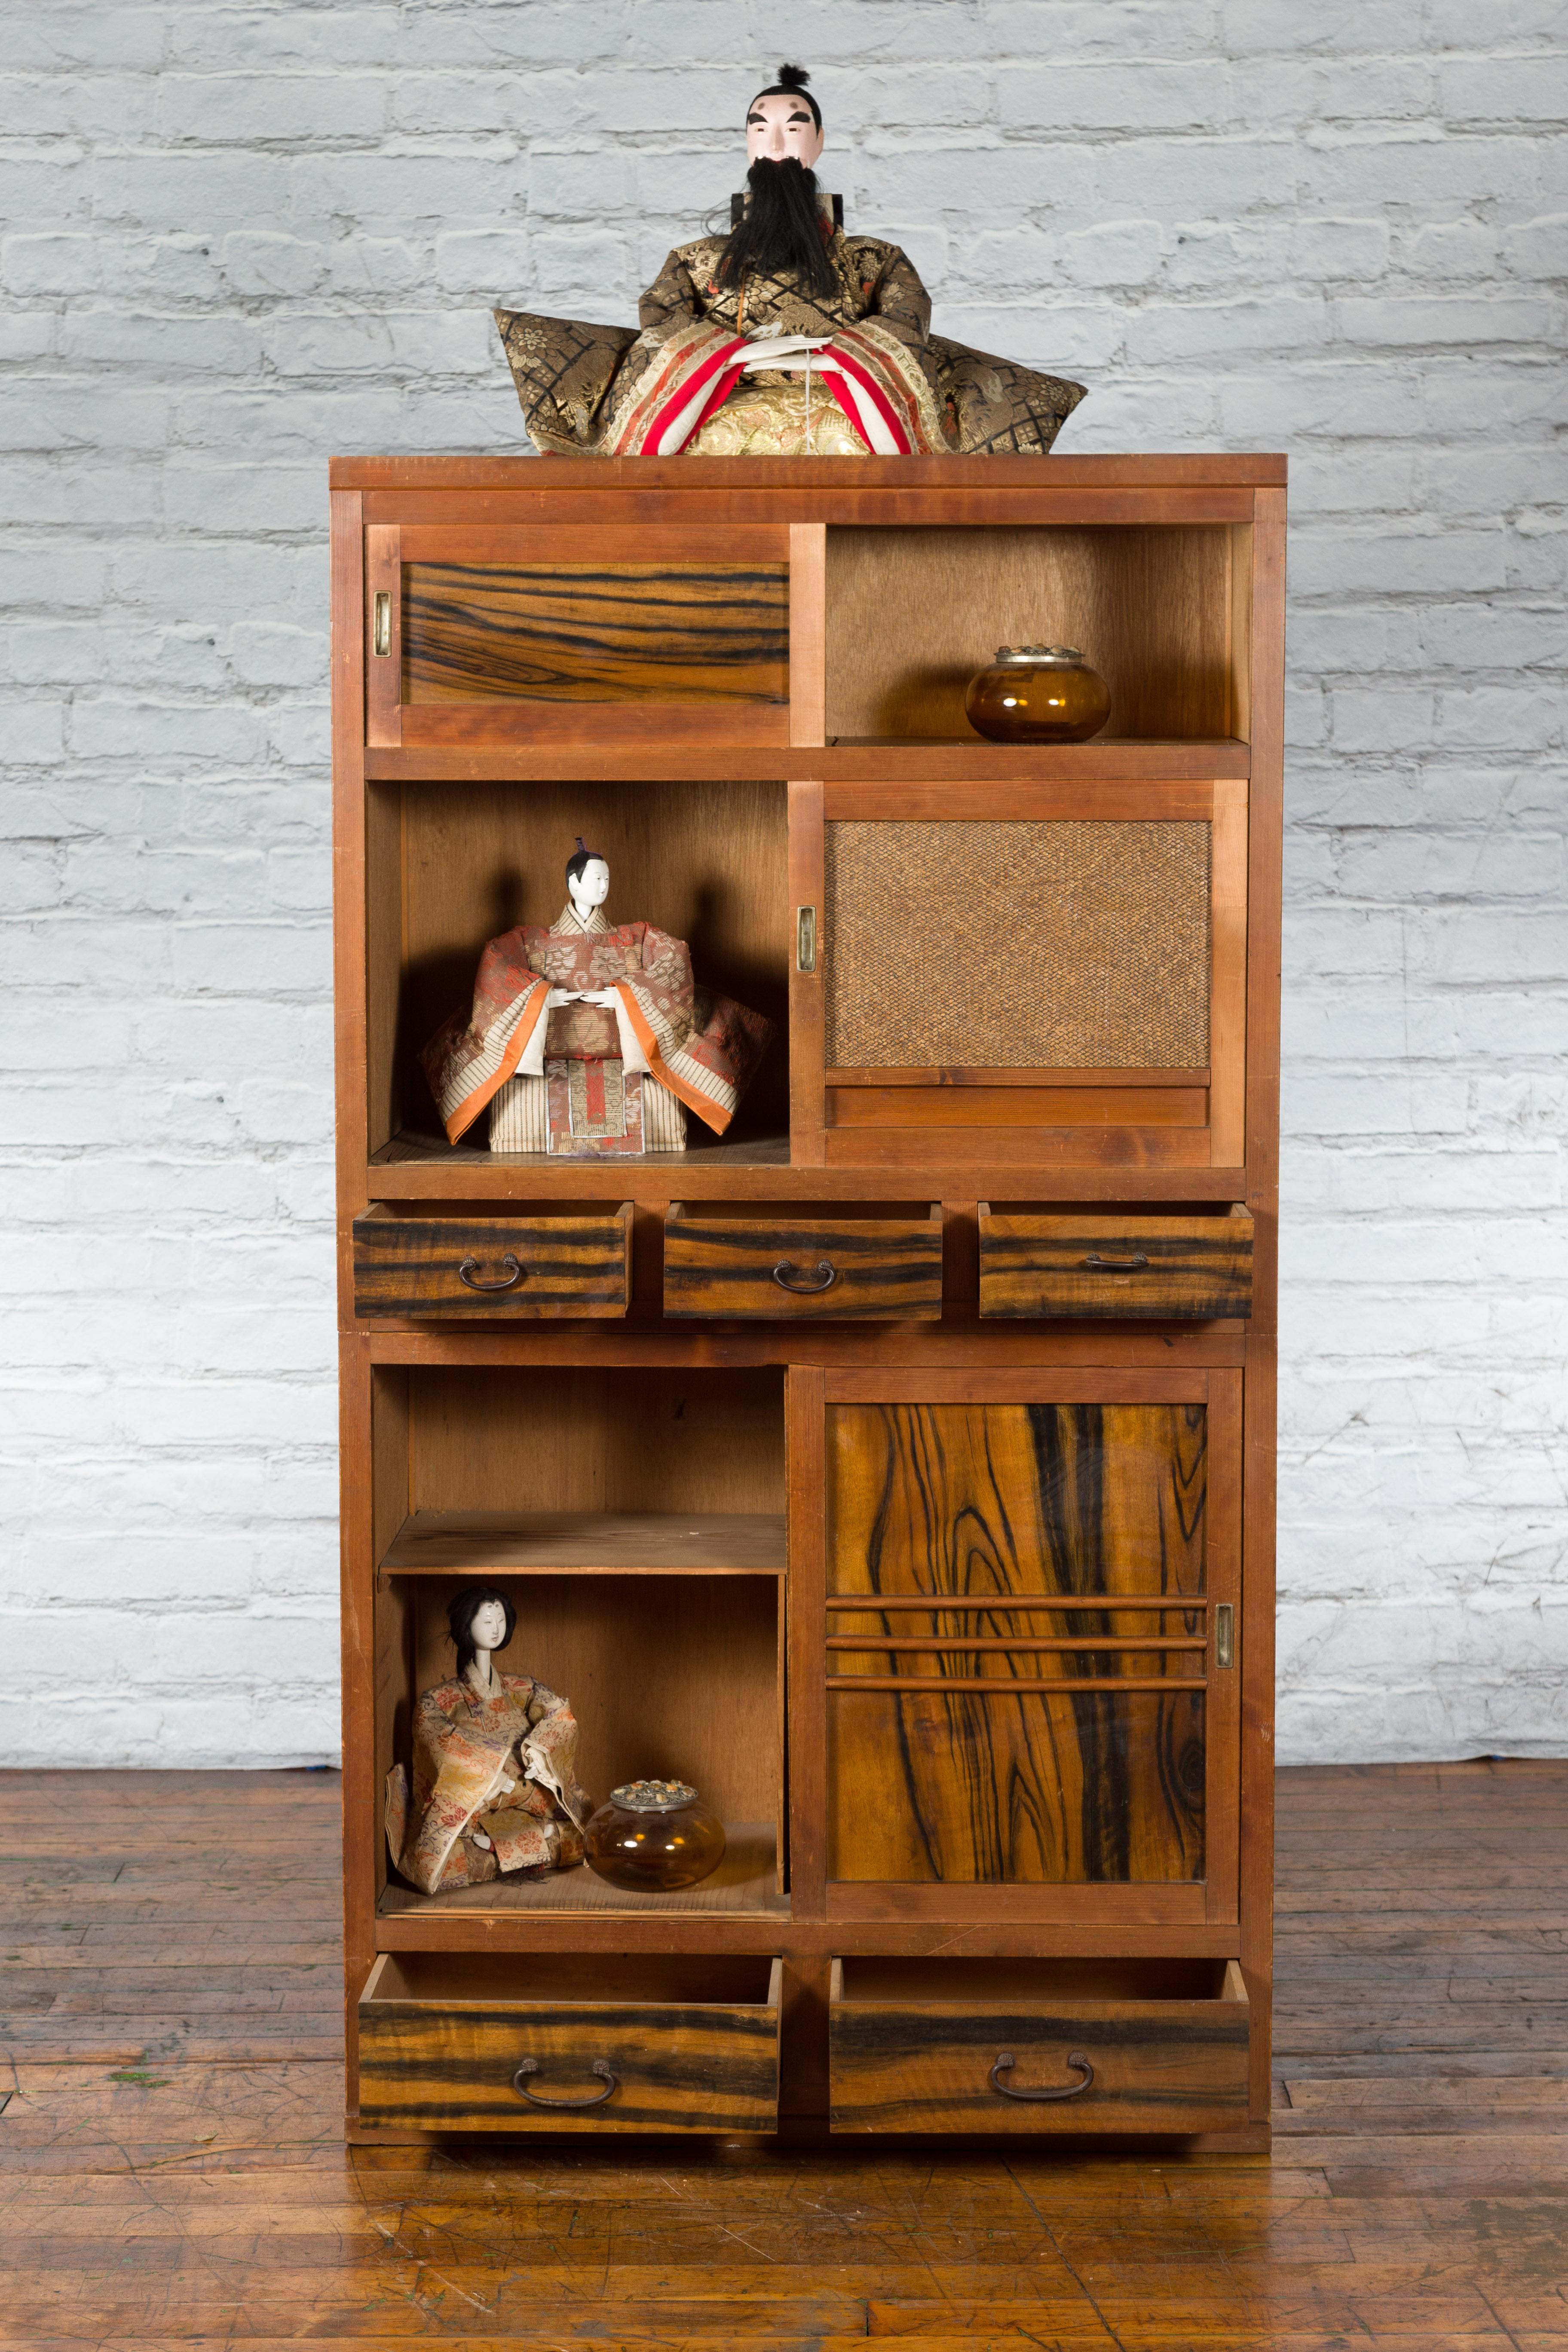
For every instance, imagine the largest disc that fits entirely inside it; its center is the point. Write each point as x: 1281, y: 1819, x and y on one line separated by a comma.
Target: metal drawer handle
x: 601, y: 2066
x: 784, y: 1274
x: 469, y: 1272
x: 1116, y: 1264
x: 1075, y: 2059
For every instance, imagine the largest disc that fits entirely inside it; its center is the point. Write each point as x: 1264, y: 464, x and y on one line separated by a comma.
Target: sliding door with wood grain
x: 1028, y: 1645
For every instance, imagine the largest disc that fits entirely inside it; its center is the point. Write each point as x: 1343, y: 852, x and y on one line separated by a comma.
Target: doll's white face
x: 487, y: 1627
x: 781, y: 126
x: 592, y: 887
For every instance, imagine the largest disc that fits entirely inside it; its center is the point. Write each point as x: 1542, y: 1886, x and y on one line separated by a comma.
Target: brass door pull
x: 1132, y: 1264
x: 468, y: 1273
x: 784, y: 1274
x: 1076, y: 2059
x: 601, y: 2066
x: 381, y: 626
x: 1224, y: 1633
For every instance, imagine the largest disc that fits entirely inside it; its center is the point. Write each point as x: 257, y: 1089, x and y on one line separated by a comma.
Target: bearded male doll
x: 785, y: 337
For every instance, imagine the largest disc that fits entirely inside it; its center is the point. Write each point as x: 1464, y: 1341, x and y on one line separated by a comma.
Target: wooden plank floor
x: 171, y: 2173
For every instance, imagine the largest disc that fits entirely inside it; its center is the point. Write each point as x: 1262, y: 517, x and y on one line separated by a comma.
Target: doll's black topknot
x: 792, y: 83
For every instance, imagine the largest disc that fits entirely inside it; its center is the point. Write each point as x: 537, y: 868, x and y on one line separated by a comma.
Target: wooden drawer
x: 577, y: 2043
x: 1114, y: 1264
x: 960, y: 2045
x: 538, y: 1264
x: 789, y: 1269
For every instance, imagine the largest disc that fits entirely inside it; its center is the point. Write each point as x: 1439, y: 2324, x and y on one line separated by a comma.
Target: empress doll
x: 592, y: 1039
x: 784, y: 338
x: 494, y: 1787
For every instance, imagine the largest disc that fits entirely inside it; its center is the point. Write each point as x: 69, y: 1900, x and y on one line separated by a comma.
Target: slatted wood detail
x: 1037, y: 1263
x: 692, y: 2043
x: 912, y: 2043
x: 1018, y: 1764
x: 587, y: 633
x: 562, y: 1266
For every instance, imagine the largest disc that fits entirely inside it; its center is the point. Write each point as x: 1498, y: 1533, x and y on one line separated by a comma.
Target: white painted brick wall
x: 235, y: 240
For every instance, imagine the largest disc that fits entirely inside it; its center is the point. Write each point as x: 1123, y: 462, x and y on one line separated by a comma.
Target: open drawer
x: 986, y: 2045
x: 546, y: 1264
x: 1113, y: 1262
x: 572, y: 2042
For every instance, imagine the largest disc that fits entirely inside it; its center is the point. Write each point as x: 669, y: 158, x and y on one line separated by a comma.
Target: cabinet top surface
x: 1248, y: 470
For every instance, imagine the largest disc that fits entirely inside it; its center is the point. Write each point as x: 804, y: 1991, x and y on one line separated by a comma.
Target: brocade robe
x: 677, y: 385
x: 698, y: 1048
x: 487, y: 1764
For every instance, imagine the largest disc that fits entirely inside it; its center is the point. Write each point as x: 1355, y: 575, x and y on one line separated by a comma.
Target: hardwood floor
x: 171, y: 2172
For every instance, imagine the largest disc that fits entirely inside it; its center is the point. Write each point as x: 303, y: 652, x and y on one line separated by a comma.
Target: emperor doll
x: 784, y: 338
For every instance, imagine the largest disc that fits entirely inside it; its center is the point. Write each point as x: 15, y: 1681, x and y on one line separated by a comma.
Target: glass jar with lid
x: 1038, y: 694
x: 653, y: 1836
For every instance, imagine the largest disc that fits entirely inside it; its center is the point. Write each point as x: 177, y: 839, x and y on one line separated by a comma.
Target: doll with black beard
x: 783, y: 338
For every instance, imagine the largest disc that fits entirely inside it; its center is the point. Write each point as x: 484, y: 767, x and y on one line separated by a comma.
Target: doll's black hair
x: 791, y: 83
x: 582, y: 857
x: 460, y: 1621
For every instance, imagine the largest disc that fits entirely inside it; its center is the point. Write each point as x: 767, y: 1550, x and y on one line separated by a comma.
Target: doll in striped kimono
x: 591, y: 1039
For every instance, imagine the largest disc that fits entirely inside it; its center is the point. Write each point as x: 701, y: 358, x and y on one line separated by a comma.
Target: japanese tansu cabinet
x: 896, y: 1467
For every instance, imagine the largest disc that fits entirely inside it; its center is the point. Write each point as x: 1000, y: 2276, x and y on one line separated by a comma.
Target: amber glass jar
x: 653, y: 1836
x: 1038, y: 694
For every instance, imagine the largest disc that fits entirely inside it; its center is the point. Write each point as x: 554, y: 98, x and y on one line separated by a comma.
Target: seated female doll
x: 785, y: 337
x: 494, y: 1789
x: 590, y: 1039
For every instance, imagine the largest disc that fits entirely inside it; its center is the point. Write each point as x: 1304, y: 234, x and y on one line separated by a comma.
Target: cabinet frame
x: 1236, y: 777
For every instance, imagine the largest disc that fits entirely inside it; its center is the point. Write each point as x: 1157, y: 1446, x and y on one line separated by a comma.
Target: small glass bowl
x: 654, y: 1836
x: 1038, y: 694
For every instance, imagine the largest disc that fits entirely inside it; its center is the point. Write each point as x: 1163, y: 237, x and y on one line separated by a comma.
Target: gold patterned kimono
x: 892, y: 388
x: 504, y: 1767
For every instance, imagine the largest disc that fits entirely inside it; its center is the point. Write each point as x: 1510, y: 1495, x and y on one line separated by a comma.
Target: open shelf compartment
x: 634, y: 1520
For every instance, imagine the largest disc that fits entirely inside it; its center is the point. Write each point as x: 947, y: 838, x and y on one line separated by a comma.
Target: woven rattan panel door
x: 1053, y: 982
x: 1030, y: 1661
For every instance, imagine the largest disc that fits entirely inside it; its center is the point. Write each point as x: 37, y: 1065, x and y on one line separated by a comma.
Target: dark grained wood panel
x: 979, y: 1502
x: 913, y: 2045
x: 187, y: 2183
x: 561, y: 1267
x: 681, y: 2044
x: 587, y: 633
x: 880, y: 1269
x: 1036, y: 1263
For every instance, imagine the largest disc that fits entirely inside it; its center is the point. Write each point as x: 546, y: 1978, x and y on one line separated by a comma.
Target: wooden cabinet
x: 898, y: 1468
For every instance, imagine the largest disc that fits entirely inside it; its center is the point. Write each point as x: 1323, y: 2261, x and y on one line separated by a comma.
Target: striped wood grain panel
x: 901, y: 2060
x: 568, y: 1266
x: 704, y: 2059
x: 1096, y: 1785
x: 1032, y: 1264
x: 884, y: 1268
x: 585, y: 632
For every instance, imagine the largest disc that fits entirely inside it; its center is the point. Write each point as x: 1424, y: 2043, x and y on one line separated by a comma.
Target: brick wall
x: 235, y: 239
